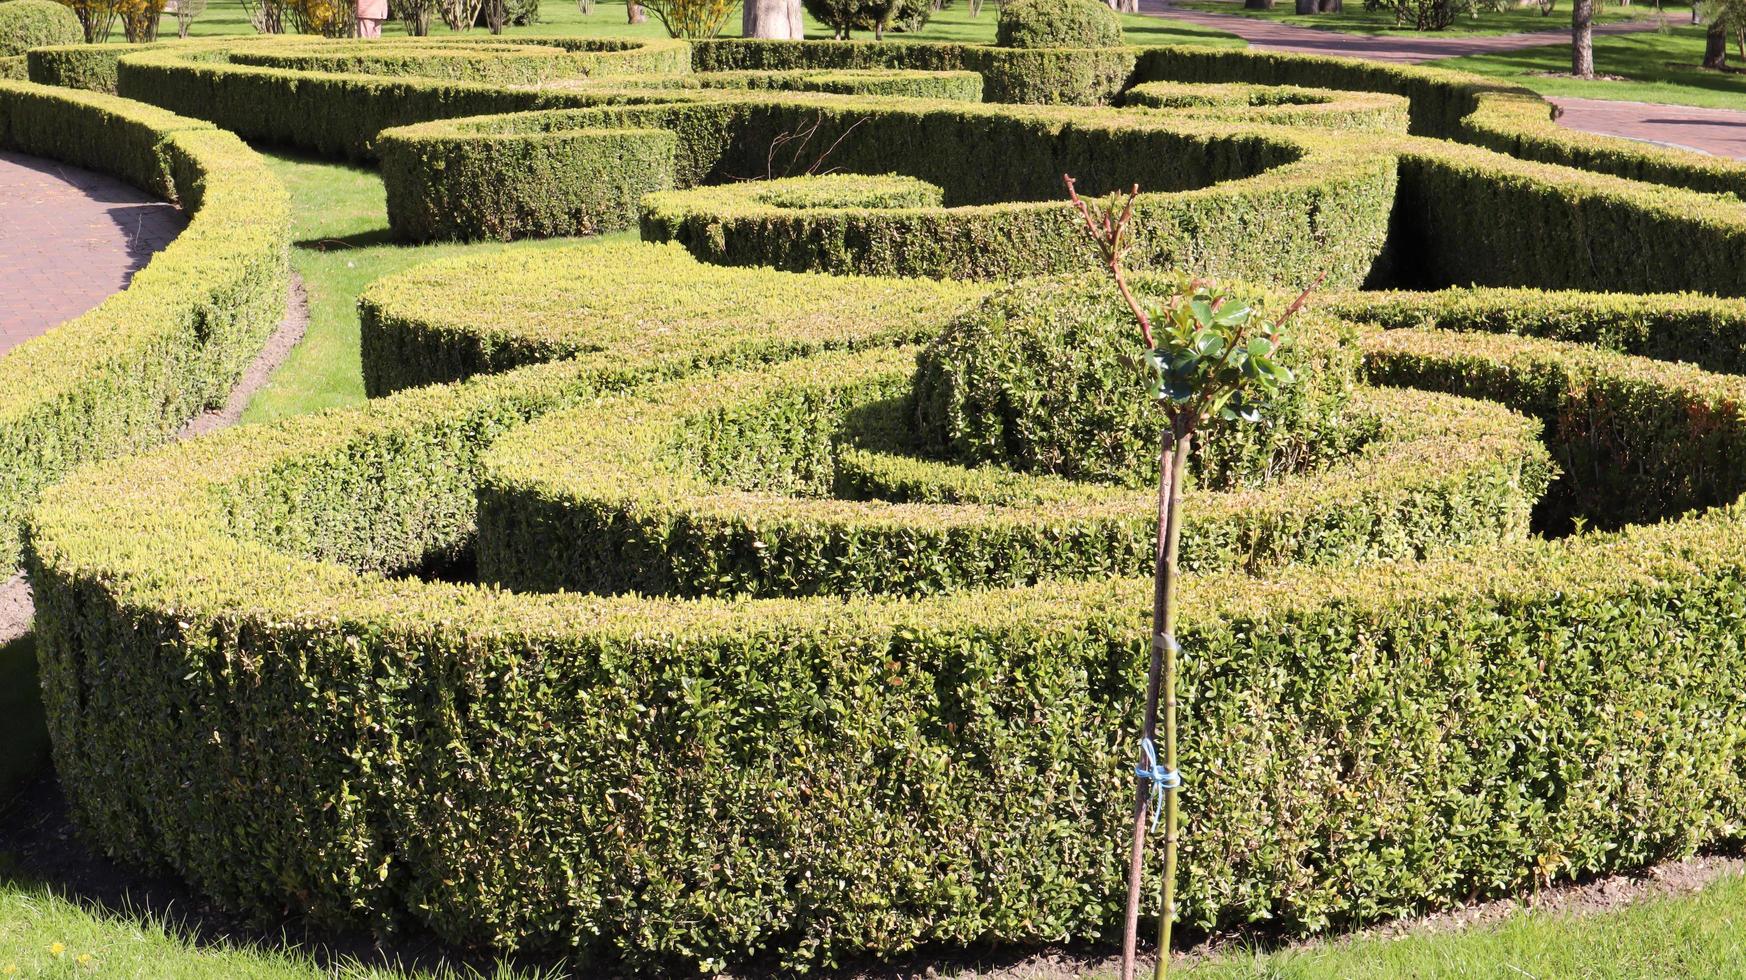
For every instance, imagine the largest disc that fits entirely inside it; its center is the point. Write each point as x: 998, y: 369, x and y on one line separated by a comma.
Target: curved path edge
x: 1716, y: 132
x: 16, y: 611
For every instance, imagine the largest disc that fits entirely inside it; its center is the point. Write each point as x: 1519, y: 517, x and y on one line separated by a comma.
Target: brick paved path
x: 1273, y: 36
x: 1721, y: 132
x: 1718, y: 131
x: 68, y: 239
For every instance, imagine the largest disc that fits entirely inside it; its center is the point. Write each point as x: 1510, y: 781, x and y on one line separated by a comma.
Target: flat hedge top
x: 644, y: 302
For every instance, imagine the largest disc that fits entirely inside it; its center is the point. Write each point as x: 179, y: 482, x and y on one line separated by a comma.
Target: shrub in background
x: 691, y: 18
x: 1058, y: 24
x: 1041, y: 378
x: 26, y: 24
x: 846, y: 16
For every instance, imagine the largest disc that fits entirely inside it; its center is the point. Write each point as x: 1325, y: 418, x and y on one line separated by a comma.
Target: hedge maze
x: 712, y: 601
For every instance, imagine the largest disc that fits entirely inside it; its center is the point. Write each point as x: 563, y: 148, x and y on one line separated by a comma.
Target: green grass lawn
x: 1702, y: 935
x: 1354, y: 19
x: 340, y: 244
x: 608, y: 20
x: 1660, y: 66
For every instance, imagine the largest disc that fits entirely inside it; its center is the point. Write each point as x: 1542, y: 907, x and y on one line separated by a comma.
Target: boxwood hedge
x: 297, y: 706
x: 26, y: 24
x: 1280, y: 202
x: 306, y: 665
x: 128, y: 373
x: 802, y: 480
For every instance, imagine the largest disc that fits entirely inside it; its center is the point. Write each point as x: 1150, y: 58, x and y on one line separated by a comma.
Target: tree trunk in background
x: 1258, y: 4
x: 1582, y: 39
x: 634, y: 12
x: 777, y: 20
x: 1716, y: 46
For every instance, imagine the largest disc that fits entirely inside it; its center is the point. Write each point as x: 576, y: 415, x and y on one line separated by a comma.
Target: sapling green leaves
x: 1210, y: 353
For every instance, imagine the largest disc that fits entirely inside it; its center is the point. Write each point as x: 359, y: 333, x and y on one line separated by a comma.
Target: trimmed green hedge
x: 1284, y: 195
x: 958, y: 86
x: 129, y: 373
x: 1292, y: 203
x: 516, y: 185
x: 1701, y: 330
x: 1275, y: 105
x: 1454, y: 106
x: 269, y: 667
x: 1057, y: 24
x: 507, y: 61
x: 26, y: 24
x: 248, y: 680
x: 1041, y: 378
x: 1072, y: 76
x: 758, y: 484
x: 1473, y: 217
x: 15, y: 69
x: 85, y: 66
x: 422, y: 326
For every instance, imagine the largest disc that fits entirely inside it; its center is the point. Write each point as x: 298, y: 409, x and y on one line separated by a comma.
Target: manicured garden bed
x: 653, y: 612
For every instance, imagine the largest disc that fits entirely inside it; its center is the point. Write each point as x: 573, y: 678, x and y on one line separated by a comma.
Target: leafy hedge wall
x: 85, y: 66
x: 580, y: 181
x: 1454, y: 106
x: 661, y: 784
x: 1071, y: 76
x: 802, y: 480
x: 26, y: 24
x: 127, y: 374
x: 1267, y: 197
x: 1284, y: 196
x: 270, y: 666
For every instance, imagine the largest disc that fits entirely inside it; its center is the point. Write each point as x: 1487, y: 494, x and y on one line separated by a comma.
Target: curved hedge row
x: 663, y: 783
x: 506, y: 61
x: 26, y: 24
x: 752, y: 484
x: 275, y: 662
x: 1275, y: 105
x: 1275, y: 203
x: 130, y: 372
x: 1277, y: 198
x: 1454, y: 106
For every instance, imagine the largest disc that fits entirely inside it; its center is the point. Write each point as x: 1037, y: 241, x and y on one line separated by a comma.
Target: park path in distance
x: 1721, y: 132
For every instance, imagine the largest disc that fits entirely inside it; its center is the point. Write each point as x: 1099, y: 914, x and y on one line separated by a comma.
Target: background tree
x: 1210, y: 354
x: 1582, y: 38
x: 96, y: 18
x: 690, y: 18
x: 139, y: 19
x: 415, y: 14
x: 1727, y: 21
x: 266, y: 16
x: 186, y: 12
x: 777, y: 20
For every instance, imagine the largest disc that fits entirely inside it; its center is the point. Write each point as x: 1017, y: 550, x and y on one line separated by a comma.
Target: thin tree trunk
x: 1582, y: 39
x: 1160, y: 679
x: 634, y: 12
x: 776, y: 20
x: 1716, y: 46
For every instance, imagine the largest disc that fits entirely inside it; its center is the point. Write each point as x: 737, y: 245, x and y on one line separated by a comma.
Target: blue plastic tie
x: 1161, y: 778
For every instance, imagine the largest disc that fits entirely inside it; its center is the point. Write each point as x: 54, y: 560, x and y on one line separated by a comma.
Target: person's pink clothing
x: 371, y: 14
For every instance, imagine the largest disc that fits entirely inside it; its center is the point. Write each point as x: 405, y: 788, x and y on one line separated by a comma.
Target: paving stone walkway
x: 69, y: 238
x: 1274, y: 36
x: 1721, y: 132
